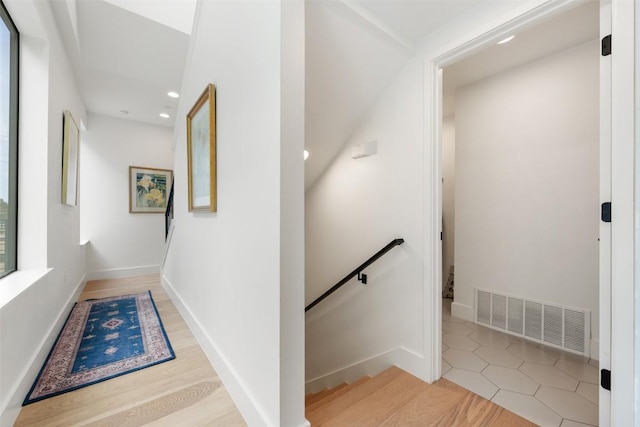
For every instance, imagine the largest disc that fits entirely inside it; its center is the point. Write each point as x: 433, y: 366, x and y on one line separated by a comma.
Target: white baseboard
x: 10, y: 408
x: 240, y: 393
x: 462, y: 311
x: 400, y: 357
x: 118, y: 273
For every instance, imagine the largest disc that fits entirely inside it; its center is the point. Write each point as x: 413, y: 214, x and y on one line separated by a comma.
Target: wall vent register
x: 551, y: 324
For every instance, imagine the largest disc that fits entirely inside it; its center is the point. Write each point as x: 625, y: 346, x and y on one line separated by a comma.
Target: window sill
x: 16, y: 283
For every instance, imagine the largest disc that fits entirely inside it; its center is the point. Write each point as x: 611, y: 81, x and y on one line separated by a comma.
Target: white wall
x: 527, y: 182
x: 37, y: 298
x: 121, y: 243
x: 354, y: 209
x: 237, y: 275
x: 448, y: 195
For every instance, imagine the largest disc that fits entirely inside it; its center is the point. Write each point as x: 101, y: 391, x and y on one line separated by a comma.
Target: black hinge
x: 605, y: 212
x: 605, y: 379
x: 606, y: 45
x: 441, y: 235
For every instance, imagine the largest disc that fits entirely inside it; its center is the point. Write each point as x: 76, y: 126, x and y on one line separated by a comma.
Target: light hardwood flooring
x: 397, y: 398
x: 183, y: 392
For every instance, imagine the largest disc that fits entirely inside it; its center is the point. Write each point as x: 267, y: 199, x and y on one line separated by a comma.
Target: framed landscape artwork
x: 70, y: 157
x: 148, y: 189
x: 201, y: 152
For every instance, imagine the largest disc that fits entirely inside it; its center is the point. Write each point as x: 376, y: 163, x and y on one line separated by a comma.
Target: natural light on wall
x: 306, y: 154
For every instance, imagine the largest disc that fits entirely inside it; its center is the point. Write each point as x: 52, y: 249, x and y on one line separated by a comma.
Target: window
x: 9, y: 44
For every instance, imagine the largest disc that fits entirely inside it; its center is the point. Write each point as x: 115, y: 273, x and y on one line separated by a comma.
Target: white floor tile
x: 589, y: 391
x: 464, y: 360
x: 569, y: 405
x: 536, y: 353
x: 456, y: 328
x: 580, y: 370
x: 472, y: 381
x: 460, y: 342
x: 489, y: 338
x: 510, y: 379
x: 496, y: 356
x: 569, y: 423
x: 445, y: 367
x: 528, y: 407
x: 549, y: 376
x: 520, y: 374
x: 472, y: 325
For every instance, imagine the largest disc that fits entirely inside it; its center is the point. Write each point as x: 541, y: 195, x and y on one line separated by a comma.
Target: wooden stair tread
x: 425, y: 408
x: 314, y: 397
x: 396, y: 398
x: 312, y: 406
x: 376, y: 407
x: 351, y: 397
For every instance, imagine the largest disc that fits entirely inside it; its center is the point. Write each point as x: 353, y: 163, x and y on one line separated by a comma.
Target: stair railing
x: 168, y: 214
x: 356, y: 272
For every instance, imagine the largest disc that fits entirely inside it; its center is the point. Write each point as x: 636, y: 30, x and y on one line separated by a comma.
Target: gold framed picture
x: 149, y: 189
x: 70, y: 160
x: 201, y: 152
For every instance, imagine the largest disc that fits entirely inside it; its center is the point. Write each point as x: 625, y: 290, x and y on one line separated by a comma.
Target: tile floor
x: 546, y: 386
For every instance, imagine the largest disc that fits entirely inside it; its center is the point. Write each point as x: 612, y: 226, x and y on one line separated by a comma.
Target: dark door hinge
x: 441, y: 235
x: 606, y: 45
x: 605, y: 212
x: 605, y: 379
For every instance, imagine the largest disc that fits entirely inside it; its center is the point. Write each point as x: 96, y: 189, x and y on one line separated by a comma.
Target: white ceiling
x: 128, y: 53
x: 124, y: 61
x: 556, y: 34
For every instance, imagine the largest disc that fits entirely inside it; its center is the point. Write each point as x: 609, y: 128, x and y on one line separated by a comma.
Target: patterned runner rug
x: 102, y: 339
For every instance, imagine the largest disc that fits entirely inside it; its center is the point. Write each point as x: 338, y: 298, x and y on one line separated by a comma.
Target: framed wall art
x: 149, y: 189
x: 70, y: 160
x: 201, y: 152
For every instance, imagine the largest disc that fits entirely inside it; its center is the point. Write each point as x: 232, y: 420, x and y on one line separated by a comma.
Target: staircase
x: 397, y: 398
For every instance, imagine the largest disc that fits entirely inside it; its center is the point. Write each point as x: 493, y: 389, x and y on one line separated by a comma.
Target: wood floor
x: 187, y: 391
x: 182, y: 392
x: 396, y: 398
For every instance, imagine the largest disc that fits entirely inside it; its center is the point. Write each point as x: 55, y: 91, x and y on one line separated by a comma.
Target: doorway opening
x: 509, y: 169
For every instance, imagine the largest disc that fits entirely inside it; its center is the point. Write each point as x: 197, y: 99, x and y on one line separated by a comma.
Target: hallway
x: 184, y: 391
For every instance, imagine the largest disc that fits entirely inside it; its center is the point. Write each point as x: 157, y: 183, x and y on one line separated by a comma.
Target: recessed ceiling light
x: 507, y: 40
x: 306, y: 154
x: 173, y: 94
x: 164, y: 115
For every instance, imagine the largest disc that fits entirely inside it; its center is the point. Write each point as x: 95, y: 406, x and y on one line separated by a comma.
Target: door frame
x: 622, y: 346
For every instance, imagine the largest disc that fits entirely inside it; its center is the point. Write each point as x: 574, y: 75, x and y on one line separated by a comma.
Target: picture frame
x: 149, y: 189
x: 201, y: 153
x: 70, y: 159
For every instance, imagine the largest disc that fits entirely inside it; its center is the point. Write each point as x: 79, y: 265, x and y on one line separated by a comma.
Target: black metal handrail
x: 168, y: 214
x: 356, y: 272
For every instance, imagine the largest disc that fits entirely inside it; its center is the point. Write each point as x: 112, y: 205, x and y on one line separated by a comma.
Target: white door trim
x: 622, y: 218
x: 604, y: 294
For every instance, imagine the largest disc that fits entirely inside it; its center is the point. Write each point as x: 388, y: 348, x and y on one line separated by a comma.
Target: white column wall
x: 236, y: 274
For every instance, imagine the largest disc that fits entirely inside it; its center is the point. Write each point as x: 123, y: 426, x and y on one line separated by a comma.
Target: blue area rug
x: 102, y: 339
